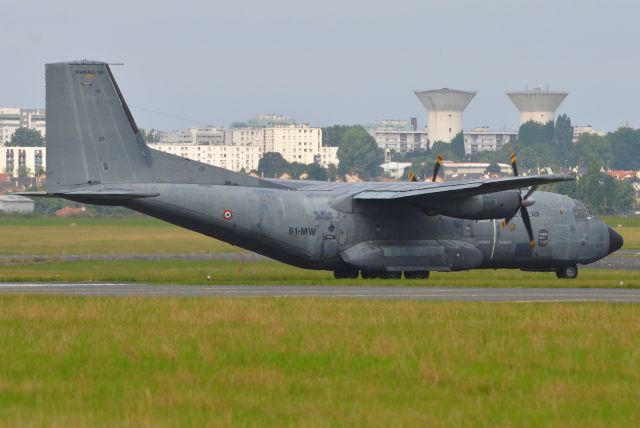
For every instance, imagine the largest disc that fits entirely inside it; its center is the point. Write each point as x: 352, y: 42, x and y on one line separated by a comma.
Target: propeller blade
x: 514, y: 164
x: 530, y: 192
x: 505, y: 221
x: 436, y: 168
x: 412, y: 176
x: 527, y: 225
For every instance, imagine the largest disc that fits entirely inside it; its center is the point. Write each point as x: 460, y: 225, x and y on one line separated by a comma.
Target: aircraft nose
x: 615, y: 241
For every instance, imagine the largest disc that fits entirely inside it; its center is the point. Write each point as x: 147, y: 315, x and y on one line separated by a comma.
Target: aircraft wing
x: 412, y: 191
x: 454, y: 189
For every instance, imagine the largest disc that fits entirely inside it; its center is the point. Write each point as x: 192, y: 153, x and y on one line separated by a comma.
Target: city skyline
x: 334, y: 63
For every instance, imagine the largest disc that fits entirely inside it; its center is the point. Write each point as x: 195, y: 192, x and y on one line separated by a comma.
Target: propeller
x: 436, y: 168
x: 524, y: 203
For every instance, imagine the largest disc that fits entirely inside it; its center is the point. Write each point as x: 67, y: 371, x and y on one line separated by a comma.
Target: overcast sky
x: 332, y: 61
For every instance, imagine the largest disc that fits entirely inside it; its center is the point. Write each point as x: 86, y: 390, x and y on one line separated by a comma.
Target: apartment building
x: 32, y: 159
x: 234, y: 158
x: 398, y: 135
x: 207, y: 135
x: 296, y: 143
x: 484, y: 139
x: 13, y: 118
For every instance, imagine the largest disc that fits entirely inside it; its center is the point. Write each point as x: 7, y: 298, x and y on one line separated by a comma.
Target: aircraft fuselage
x: 312, y: 230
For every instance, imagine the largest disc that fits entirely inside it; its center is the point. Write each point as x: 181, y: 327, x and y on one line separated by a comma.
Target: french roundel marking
x: 227, y: 214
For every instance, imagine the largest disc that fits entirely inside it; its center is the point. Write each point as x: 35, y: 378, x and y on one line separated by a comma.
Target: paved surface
x: 398, y: 293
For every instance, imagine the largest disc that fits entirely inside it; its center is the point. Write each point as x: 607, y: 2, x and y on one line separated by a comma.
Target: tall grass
x: 149, y: 362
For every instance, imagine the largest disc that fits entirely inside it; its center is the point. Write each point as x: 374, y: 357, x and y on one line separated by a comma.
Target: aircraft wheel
x: 369, y: 274
x: 345, y: 274
x: 422, y: 274
x: 416, y: 274
x: 391, y: 275
x: 568, y: 272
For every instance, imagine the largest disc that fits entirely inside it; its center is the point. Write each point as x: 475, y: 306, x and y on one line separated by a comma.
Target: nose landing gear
x: 567, y: 272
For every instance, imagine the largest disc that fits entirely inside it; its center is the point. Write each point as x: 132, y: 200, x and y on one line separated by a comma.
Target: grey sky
x: 333, y: 61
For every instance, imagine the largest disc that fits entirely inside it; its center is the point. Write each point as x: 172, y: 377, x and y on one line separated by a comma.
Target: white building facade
x: 579, y: 130
x: 296, y: 143
x: 328, y: 156
x: 249, y: 136
x: 484, y: 139
x: 398, y: 135
x: 31, y: 159
x: 13, y: 118
x: 208, y: 135
x: 234, y: 158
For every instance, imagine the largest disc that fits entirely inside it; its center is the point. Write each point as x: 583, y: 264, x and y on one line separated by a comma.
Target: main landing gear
x: 567, y: 272
x: 346, y: 274
x: 368, y: 274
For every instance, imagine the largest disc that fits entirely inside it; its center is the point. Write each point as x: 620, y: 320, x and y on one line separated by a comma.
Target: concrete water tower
x: 444, y: 112
x: 537, y: 104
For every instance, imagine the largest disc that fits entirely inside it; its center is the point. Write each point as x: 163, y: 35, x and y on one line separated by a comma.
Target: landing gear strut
x: 567, y: 272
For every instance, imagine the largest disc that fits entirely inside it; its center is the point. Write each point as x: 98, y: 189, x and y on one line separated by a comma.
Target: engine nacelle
x: 480, y: 207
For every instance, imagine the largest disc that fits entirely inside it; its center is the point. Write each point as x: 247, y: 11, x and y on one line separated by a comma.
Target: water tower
x: 537, y: 104
x: 444, y: 112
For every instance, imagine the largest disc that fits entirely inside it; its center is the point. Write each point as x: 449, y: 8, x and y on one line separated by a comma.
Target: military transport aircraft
x: 96, y: 155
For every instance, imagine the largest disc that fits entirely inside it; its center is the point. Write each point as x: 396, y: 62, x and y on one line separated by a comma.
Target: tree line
x: 551, y: 145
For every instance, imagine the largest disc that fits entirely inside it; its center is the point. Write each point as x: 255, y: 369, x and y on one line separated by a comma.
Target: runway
x: 386, y: 293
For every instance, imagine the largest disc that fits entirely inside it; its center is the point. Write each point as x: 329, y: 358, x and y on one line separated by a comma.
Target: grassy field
x: 127, y: 235
x: 315, y: 362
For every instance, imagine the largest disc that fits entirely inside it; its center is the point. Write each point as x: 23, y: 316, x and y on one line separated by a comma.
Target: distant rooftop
x: 265, y: 121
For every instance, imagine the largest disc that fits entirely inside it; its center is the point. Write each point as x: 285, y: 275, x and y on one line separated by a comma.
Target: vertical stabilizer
x: 92, y: 137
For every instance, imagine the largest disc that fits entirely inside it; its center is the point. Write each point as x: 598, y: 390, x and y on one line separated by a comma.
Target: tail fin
x: 92, y: 136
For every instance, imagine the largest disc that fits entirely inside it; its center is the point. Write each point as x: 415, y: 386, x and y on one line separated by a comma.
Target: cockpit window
x: 580, y: 211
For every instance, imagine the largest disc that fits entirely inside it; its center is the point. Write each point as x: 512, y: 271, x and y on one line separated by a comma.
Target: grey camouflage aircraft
x: 96, y: 155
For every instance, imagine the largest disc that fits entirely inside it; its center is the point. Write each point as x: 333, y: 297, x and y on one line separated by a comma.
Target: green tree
x: 316, y: 172
x: 600, y: 192
x: 23, y: 171
x: 457, y: 147
x: 272, y: 165
x: 25, y: 137
x: 563, y: 135
x: 358, y: 151
x: 533, y: 133
x: 588, y: 149
x: 332, y: 172
x: 332, y: 135
x: 625, y: 148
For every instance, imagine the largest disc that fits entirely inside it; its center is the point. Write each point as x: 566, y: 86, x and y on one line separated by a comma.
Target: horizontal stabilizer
x: 105, y: 194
